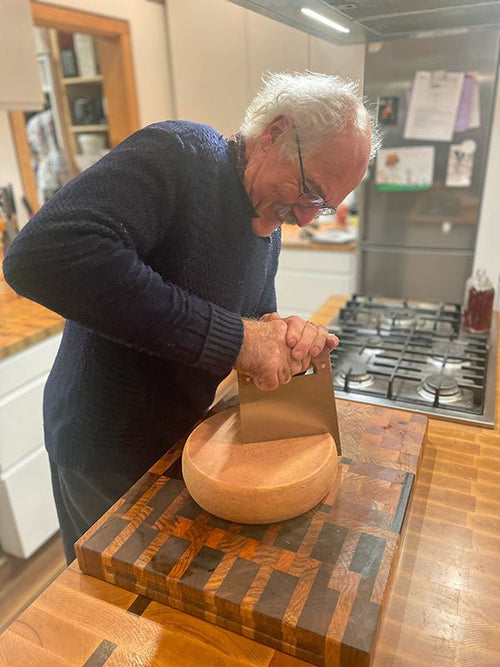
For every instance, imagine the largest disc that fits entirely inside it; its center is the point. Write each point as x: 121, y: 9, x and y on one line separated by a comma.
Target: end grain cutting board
x: 314, y: 586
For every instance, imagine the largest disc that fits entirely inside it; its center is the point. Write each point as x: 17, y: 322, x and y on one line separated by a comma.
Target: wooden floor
x: 21, y: 581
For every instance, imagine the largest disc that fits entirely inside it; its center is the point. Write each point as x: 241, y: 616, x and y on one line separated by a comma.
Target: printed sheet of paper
x: 460, y: 164
x: 433, y: 108
x: 406, y: 168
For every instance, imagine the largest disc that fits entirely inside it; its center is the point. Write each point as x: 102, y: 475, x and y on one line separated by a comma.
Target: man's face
x: 274, y: 183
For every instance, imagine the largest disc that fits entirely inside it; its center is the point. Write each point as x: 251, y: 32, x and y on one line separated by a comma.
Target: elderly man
x: 162, y: 258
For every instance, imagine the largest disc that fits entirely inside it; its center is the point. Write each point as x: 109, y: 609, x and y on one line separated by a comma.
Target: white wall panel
x: 273, y: 47
x: 345, y: 61
x: 209, y: 62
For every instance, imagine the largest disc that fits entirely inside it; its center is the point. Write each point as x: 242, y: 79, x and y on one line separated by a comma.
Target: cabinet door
x: 306, y: 278
x: 21, y: 422
x: 273, y: 47
x: 27, y: 511
x: 345, y: 61
x: 209, y: 62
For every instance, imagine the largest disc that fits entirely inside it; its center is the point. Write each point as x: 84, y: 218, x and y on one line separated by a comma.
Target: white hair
x: 320, y: 106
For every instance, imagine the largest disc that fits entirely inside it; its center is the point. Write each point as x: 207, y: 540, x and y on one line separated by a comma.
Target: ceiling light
x: 323, y: 19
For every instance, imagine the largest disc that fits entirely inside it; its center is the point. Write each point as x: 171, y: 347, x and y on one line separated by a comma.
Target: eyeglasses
x: 307, y: 198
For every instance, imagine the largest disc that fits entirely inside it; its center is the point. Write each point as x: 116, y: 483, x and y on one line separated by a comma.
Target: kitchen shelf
x: 89, y: 128
x: 71, y: 80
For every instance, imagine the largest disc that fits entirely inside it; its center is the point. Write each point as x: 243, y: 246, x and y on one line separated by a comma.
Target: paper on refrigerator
x: 468, y: 108
x: 433, y: 107
x: 405, y: 168
x: 460, y: 164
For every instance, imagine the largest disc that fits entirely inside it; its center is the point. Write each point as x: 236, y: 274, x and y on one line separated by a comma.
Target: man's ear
x: 275, y: 129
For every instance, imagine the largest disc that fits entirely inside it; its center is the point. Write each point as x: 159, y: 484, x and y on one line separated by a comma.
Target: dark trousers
x: 82, y: 498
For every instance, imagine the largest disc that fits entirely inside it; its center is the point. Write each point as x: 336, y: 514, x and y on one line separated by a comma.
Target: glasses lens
x: 310, y: 199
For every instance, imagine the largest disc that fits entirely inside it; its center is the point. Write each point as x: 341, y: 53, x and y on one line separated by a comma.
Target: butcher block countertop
x: 23, y: 322
x: 443, y: 608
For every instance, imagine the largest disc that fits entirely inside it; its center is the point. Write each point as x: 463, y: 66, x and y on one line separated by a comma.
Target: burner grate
x: 406, y: 353
x: 382, y: 315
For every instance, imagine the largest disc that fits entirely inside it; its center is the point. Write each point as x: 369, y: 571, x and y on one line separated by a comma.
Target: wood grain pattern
x: 312, y: 586
x: 443, y: 608
x: 23, y: 322
x: 21, y: 581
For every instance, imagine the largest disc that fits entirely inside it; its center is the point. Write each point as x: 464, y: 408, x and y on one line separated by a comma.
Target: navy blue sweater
x: 150, y: 256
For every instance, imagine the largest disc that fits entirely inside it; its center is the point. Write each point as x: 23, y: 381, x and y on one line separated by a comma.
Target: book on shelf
x: 85, y: 54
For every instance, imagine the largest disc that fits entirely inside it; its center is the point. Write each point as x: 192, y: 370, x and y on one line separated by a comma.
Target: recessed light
x: 323, y: 19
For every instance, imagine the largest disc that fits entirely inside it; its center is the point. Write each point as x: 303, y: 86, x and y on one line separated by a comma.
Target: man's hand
x: 304, y: 338
x: 265, y: 354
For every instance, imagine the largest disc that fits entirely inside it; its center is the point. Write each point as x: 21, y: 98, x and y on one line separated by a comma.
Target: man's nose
x: 305, y: 214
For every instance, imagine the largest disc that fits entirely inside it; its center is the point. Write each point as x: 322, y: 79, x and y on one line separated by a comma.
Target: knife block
x: 257, y: 482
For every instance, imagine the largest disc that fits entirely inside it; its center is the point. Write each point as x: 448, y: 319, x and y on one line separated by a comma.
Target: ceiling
x: 380, y: 20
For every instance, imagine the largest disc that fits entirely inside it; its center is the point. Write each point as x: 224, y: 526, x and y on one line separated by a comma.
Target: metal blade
x: 304, y: 406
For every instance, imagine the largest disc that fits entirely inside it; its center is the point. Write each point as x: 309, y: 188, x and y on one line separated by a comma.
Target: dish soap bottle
x: 478, y: 303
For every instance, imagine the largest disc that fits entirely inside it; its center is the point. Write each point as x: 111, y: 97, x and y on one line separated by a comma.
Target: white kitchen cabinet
x: 27, y: 511
x: 306, y: 278
x: 21, y: 84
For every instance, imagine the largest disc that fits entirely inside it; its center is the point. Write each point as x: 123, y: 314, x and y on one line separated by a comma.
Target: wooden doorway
x: 112, y: 38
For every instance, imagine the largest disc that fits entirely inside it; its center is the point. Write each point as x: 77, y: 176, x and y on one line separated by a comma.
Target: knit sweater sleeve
x: 84, y: 255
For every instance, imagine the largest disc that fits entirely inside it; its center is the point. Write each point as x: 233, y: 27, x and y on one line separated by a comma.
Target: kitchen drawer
x: 317, y: 261
x: 28, y: 515
x: 26, y: 365
x: 21, y: 422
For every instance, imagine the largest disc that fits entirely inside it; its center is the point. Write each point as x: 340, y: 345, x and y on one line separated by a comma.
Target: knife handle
x: 320, y: 364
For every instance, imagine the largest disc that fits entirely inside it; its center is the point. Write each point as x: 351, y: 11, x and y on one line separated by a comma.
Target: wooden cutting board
x: 314, y: 586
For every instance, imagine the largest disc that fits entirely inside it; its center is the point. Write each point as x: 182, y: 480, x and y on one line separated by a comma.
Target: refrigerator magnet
x: 388, y: 110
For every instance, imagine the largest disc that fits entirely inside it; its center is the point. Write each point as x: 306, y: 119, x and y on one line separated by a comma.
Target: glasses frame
x: 308, y: 198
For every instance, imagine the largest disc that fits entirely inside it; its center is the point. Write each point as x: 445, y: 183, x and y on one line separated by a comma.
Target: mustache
x: 286, y: 214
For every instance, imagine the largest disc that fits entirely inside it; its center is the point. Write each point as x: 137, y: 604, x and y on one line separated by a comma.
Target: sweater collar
x: 237, y: 146
x: 237, y: 150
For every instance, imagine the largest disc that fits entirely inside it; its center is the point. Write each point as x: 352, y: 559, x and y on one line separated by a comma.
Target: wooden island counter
x: 23, y: 322
x: 443, y: 608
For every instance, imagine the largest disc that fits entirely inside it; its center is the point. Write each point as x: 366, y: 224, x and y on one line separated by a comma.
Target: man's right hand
x: 265, y: 355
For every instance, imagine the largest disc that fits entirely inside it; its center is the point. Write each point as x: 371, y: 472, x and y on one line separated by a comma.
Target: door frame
x: 114, y: 43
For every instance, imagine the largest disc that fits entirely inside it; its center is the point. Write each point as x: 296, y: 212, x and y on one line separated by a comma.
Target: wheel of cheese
x: 260, y: 482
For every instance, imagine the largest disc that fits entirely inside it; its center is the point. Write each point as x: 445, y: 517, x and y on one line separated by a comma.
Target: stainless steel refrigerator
x: 420, y: 244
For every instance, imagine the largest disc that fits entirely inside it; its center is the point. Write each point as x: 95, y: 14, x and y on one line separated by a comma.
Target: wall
x: 221, y: 50
x: 487, y: 255
x: 151, y: 64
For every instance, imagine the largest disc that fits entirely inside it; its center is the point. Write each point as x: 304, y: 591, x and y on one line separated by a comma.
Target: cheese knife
x: 304, y: 406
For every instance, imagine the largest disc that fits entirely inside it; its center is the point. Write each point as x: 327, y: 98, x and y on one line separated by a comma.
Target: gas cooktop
x: 416, y: 356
